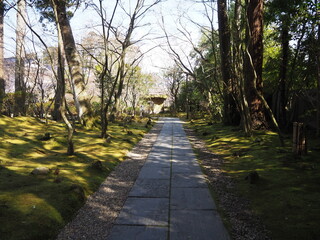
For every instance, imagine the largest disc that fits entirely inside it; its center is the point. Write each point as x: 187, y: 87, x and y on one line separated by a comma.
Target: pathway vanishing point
x: 170, y: 198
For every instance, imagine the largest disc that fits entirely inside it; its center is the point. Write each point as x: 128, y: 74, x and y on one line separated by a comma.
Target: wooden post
x: 299, y: 146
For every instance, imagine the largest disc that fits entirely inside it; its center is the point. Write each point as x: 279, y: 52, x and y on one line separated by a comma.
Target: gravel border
x: 244, y: 224
x: 95, y: 219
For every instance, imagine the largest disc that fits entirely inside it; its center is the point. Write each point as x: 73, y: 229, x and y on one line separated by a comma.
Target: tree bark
x: 61, y: 85
x: 81, y: 99
x: 238, y: 70
x: 225, y: 54
x: 318, y: 74
x: 253, y: 70
x: 2, y: 82
x: 20, y: 88
x: 281, y: 108
x: 59, y: 96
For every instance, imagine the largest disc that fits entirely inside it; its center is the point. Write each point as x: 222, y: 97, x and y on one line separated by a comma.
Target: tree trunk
x: 61, y: 85
x: 318, y: 75
x: 281, y: 108
x: 2, y: 82
x: 225, y: 54
x: 253, y: 70
x: 20, y: 88
x: 254, y: 59
x: 121, y: 78
x: 238, y: 70
x: 59, y: 96
x: 81, y: 99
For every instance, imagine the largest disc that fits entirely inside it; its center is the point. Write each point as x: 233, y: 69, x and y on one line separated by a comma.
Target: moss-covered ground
x: 287, y: 196
x: 37, y: 207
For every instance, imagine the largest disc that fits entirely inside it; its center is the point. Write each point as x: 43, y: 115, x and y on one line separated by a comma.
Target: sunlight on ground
x: 48, y: 202
x: 288, y: 186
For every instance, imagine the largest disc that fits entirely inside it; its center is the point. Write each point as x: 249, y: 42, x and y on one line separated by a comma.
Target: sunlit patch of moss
x: 287, y: 184
x: 21, y: 150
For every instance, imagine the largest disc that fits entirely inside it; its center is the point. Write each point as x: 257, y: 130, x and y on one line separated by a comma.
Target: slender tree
x: 2, y: 82
x: 78, y: 85
x: 174, y: 77
x: 20, y: 87
x: 318, y: 67
x: 140, y: 9
x: 238, y: 67
x: 60, y: 88
x: 226, y: 67
x: 253, y: 62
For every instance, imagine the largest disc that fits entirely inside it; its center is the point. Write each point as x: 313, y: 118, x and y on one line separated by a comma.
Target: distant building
x: 157, y: 99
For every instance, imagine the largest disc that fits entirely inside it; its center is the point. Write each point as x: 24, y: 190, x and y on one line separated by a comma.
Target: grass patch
x: 37, y: 207
x: 287, y: 196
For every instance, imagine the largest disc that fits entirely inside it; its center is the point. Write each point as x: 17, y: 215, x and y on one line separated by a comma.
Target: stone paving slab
x: 196, y: 225
x: 123, y: 232
x: 186, y: 168
x: 191, y: 199
x: 154, y: 173
x: 158, y: 188
x: 164, y: 156
x: 186, y: 158
x: 144, y: 211
x: 157, y: 164
x: 188, y: 180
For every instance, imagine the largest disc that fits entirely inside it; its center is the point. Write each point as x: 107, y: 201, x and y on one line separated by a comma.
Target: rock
x: 97, y: 165
x: 214, y: 138
x: 257, y: 140
x: 40, y: 171
x: 46, y: 137
x: 252, y: 177
x: 108, y: 139
x: 78, y: 190
x: 57, y: 180
x: 56, y: 171
x: 236, y: 154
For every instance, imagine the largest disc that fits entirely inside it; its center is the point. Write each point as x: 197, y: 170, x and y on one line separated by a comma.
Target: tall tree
x: 253, y: 62
x: 60, y: 89
x: 318, y: 66
x: 141, y: 7
x: 282, y: 13
x: 226, y: 68
x: 20, y: 87
x: 2, y: 82
x: 174, y: 77
x: 78, y: 85
x: 253, y: 71
x: 238, y: 67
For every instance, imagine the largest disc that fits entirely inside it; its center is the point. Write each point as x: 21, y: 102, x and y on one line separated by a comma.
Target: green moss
x: 287, y: 196
x: 37, y: 207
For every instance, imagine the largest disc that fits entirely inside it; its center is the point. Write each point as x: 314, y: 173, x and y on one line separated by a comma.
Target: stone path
x: 170, y: 199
